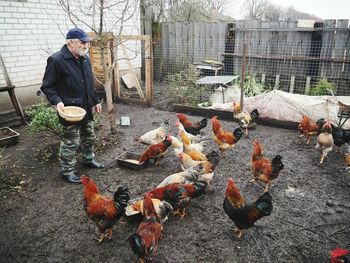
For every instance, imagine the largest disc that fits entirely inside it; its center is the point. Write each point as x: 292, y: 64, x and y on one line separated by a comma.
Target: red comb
x: 339, y: 252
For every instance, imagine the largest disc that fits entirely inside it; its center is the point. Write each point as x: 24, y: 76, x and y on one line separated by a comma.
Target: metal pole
x: 244, y: 57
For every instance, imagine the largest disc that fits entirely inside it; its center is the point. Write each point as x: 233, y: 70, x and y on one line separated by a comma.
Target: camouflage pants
x: 71, y: 138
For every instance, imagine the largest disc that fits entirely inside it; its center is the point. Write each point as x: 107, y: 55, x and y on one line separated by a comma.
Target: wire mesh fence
x: 313, y: 61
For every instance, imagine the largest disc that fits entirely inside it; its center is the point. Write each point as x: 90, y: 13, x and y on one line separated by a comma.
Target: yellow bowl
x: 72, y: 113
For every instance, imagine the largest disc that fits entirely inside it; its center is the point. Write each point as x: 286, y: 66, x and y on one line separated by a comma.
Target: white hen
x: 155, y: 136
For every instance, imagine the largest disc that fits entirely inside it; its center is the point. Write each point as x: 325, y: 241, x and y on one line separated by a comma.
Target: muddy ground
x: 45, y: 221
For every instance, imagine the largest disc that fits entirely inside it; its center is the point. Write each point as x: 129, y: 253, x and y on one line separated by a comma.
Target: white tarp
x: 284, y: 106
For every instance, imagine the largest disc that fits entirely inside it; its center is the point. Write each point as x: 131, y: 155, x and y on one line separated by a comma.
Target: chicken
x: 156, y: 151
x: 246, y: 120
x: 176, y: 144
x: 347, y: 161
x: 182, y: 177
x: 308, y: 128
x: 224, y: 139
x: 325, y: 141
x: 144, y: 242
x: 103, y: 210
x: 236, y: 108
x: 187, y: 144
x: 155, y: 136
x: 245, y: 215
x: 264, y: 169
x: 197, y: 156
x: 187, y: 162
x: 195, y: 128
x: 338, y: 255
x: 179, y: 195
x: 193, y: 138
x: 340, y: 135
x: 163, y: 209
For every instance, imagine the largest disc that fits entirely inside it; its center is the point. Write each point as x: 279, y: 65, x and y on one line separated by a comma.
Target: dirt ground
x: 44, y: 221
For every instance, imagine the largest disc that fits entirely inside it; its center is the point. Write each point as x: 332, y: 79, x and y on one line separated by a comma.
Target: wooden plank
x: 196, y: 42
x: 327, y: 47
x: 149, y: 71
x: 291, y: 87
x: 127, y: 59
x: 307, y: 85
x: 4, y: 72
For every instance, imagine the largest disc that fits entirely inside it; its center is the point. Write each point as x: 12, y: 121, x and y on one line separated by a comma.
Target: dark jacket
x: 70, y: 80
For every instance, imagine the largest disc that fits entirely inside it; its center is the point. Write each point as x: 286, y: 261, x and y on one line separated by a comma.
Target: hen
x: 325, y: 140
x: 192, y: 128
x: 155, y: 136
x: 264, y: 169
x: 308, y: 128
x: 179, y: 195
x: 163, y: 209
x: 187, y: 162
x: 103, y: 210
x: 144, y: 243
x: 338, y: 255
x: 182, y: 177
x: 340, y: 135
x: 156, y: 151
x: 245, y: 215
x: 187, y: 144
x: 193, y: 138
x: 224, y: 139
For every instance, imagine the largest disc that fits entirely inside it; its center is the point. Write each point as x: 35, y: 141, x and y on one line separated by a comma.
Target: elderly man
x: 68, y: 81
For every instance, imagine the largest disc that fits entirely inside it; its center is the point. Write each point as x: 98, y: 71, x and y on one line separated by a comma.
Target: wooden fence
x: 295, y: 57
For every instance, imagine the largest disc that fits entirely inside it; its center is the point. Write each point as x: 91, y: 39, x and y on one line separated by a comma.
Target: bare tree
x: 93, y: 14
x: 255, y: 9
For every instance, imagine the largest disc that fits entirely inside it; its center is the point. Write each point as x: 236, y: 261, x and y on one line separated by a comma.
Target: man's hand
x: 60, y: 106
x: 98, y: 108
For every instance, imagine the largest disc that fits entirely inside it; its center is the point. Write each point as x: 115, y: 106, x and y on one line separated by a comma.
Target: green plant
x: 43, y: 119
x: 183, y: 87
x: 323, y: 87
x: 252, y: 87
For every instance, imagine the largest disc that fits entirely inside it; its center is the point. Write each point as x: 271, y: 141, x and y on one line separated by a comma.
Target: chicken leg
x: 181, y: 212
x: 101, y: 238
x: 110, y: 233
x: 238, y: 233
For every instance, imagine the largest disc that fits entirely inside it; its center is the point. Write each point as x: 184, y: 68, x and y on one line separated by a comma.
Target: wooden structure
x: 11, y: 90
x: 120, y: 41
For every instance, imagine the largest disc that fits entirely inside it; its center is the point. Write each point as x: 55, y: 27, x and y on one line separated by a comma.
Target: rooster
x: 182, y: 177
x: 163, y: 209
x: 187, y: 162
x: 264, y: 169
x: 245, y: 215
x: 308, y: 128
x: 103, y: 210
x: 338, y: 255
x: 156, y: 151
x: 144, y: 242
x: 176, y: 144
x: 325, y: 141
x: 192, y: 128
x: 340, y: 135
x: 246, y: 120
x: 155, y: 136
x: 179, y: 195
x: 224, y: 139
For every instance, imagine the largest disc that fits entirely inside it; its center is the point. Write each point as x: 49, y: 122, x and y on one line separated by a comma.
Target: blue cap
x: 77, y: 33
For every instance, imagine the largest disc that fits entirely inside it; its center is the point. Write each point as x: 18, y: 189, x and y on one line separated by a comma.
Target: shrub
x: 183, y: 87
x: 43, y: 119
x: 322, y: 87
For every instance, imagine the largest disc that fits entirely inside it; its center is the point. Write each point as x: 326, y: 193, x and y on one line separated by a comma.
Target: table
x: 213, y: 67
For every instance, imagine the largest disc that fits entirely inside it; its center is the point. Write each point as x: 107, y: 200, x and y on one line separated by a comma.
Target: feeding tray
x: 8, y: 136
x: 131, y: 160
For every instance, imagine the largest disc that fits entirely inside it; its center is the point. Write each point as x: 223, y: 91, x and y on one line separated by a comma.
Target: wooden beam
x: 149, y: 71
x: 307, y: 85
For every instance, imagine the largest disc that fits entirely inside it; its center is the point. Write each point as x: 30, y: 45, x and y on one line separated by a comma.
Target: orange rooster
x: 338, y: 255
x: 325, y: 140
x: 189, y: 127
x: 179, y: 195
x: 103, y: 210
x: 263, y: 169
x: 308, y: 128
x: 156, y: 151
x: 224, y: 139
x: 144, y: 243
x: 245, y: 215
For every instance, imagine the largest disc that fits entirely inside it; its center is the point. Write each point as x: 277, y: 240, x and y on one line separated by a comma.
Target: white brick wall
x: 30, y: 31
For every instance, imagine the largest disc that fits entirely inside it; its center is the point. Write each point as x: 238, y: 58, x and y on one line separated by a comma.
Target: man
x: 68, y: 81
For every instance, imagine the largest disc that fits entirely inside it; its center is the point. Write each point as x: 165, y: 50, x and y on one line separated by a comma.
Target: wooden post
x: 307, y: 85
x: 292, y: 80
x: 263, y: 77
x: 116, y: 72
x: 4, y: 72
x: 244, y: 57
x: 149, y: 70
x: 277, y: 82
